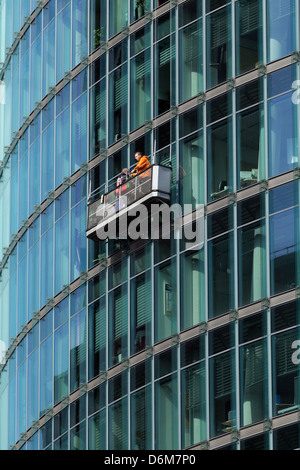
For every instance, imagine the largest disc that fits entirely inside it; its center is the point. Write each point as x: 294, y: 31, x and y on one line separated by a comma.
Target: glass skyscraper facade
x: 150, y: 344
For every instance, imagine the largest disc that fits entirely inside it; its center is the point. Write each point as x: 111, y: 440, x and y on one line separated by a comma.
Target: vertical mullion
x: 107, y: 354
x: 232, y: 38
x: 267, y: 225
x: 176, y: 241
x: 152, y: 343
x: 128, y: 350
x: 107, y: 88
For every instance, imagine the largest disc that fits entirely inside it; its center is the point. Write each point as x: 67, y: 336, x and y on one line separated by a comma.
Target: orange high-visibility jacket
x: 142, y: 165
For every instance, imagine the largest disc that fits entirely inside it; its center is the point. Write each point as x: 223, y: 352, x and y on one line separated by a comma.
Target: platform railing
x: 154, y: 181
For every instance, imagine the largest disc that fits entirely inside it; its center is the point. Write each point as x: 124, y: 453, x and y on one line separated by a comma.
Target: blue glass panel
x: 35, y: 128
x: 48, y: 13
x: 284, y: 196
x: 63, y: 99
x: 45, y: 436
x: 24, y: 94
x: 14, y: 202
x: 165, y: 300
x: 7, y: 117
x: 21, y: 352
x: 23, y: 189
x: 61, y: 313
x: 47, y: 218
x: 79, y: 84
x: 25, y: 9
x: 63, y: 42
x: 98, y: 23
x: 48, y: 114
x: 33, y: 339
x: 62, y: 204
x: 280, y: 81
x: 34, y: 175
x: 61, y: 362
x: 33, y: 388
x: 12, y: 437
x: 118, y: 114
x: 47, y: 253
x: 48, y: 57
x: 34, y: 232
x: 78, y: 353
x: 97, y: 431
x: 21, y: 399
x: 118, y: 16
x: 13, y: 306
x: 15, y: 105
x: 97, y: 286
x: 78, y: 299
x: 61, y: 4
x: 166, y: 409
x: 15, y: 157
x: 98, y: 69
x: 78, y: 437
x: 191, y: 61
x: 284, y: 241
x: 78, y: 191
x: 118, y: 324
x: 62, y: 244
x: 79, y: 31
x: 36, y: 73
x: 36, y: 27
x: 118, y: 413
x: 47, y: 171
x: 281, y: 28
x: 22, y: 246
x: 221, y: 275
x: 98, y: 121
x: 13, y: 260
x: 79, y: 241
x: 46, y: 375
x: 140, y: 89
x: 118, y: 54
x: 218, y: 46
x: 33, y: 443
x: 22, y: 293
x: 62, y: 154
x: 24, y: 143
x: 33, y: 279
x: 8, y: 24
x: 46, y: 326
x: 283, y: 141
x: 138, y: 9
x: 79, y: 133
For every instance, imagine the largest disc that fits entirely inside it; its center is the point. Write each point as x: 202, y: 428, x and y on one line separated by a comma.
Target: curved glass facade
x: 150, y: 344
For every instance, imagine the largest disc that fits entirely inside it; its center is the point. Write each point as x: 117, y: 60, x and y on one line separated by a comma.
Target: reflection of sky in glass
x: 283, y: 197
x: 280, y: 81
x: 281, y: 28
x: 283, y: 152
x: 282, y: 234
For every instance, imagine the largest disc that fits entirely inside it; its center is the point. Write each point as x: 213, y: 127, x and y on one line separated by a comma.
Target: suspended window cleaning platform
x: 153, y: 185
